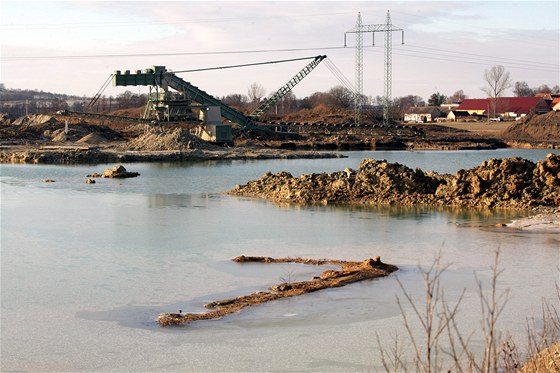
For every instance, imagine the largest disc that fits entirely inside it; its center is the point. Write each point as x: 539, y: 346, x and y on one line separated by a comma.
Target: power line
x: 486, y: 56
x: 75, y: 25
x: 459, y: 59
x: 534, y: 65
x: 64, y: 57
x: 243, y: 65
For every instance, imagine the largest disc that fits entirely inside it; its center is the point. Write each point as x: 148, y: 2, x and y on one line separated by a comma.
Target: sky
x: 73, y: 47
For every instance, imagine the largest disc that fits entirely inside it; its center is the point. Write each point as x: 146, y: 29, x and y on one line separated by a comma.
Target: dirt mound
x: 45, y: 128
x: 160, y: 139
x: 512, y: 182
x: 137, y: 112
x: 34, y: 119
x: 92, y: 139
x: 536, y: 127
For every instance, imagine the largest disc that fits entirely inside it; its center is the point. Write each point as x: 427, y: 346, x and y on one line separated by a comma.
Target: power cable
x: 338, y: 74
x: 32, y: 58
x: 481, y: 55
x: 459, y: 59
x: 243, y: 65
x: 97, y: 96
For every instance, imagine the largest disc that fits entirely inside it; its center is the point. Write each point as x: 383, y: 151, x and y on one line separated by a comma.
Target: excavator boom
x: 286, y: 88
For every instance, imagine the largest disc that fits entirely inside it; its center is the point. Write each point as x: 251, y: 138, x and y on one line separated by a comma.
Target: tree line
x: 17, y: 102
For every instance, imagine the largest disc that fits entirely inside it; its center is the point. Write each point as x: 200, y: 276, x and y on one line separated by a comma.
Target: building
x: 555, y: 105
x: 422, y: 114
x: 463, y: 116
x: 504, y: 107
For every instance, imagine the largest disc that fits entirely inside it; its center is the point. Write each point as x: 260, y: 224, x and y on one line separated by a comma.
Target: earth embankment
x: 509, y: 183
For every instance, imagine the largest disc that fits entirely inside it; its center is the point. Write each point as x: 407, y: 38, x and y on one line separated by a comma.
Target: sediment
x: 350, y: 272
x: 508, y: 183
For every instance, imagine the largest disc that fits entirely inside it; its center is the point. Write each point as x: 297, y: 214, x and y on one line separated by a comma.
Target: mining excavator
x: 171, y: 98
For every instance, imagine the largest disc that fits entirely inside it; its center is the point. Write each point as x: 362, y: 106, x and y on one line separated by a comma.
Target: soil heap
x: 536, y: 128
x: 512, y: 183
x: 159, y: 139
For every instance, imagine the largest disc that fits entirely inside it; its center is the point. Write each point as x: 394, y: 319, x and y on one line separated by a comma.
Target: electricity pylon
x: 359, y: 30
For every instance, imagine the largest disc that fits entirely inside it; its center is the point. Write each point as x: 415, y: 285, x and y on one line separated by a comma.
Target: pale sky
x: 73, y: 46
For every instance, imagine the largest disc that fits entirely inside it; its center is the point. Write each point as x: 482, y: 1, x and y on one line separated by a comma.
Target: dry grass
x: 546, y: 361
x: 481, y: 128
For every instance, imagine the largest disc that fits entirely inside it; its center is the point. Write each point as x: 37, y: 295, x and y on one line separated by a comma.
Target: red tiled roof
x: 518, y: 105
x: 474, y: 104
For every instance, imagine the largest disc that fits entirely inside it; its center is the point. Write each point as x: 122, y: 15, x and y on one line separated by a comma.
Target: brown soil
x: 507, y: 183
x: 535, y: 129
x: 317, y: 130
x: 350, y: 272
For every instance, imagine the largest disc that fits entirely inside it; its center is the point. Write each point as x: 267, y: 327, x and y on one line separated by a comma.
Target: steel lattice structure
x: 359, y: 30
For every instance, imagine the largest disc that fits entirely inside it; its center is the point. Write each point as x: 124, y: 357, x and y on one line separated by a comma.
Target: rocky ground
x: 508, y: 183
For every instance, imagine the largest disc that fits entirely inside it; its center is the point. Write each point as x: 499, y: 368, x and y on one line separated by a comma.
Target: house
x: 462, y: 116
x: 505, y: 107
x: 422, y: 114
x: 555, y: 105
x: 448, y: 106
x: 474, y: 106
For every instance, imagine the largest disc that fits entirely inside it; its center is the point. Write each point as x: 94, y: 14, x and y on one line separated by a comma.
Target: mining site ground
x: 83, y: 138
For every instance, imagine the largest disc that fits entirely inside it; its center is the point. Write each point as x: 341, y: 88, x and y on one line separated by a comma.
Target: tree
x: 521, y: 89
x: 256, y: 92
x: 236, y: 100
x: 314, y: 100
x: 436, y: 99
x: 544, y: 88
x: 340, y: 98
x: 287, y: 104
x: 458, y: 97
x: 497, y: 80
x: 402, y: 104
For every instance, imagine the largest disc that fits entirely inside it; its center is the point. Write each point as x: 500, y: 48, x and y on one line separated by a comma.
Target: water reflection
x: 178, y: 200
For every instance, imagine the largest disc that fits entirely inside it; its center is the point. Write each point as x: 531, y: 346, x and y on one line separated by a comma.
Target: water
x: 86, y: 269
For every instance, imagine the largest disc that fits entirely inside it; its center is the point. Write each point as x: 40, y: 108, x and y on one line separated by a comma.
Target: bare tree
x: 522, y: 89
x: 458, y: 97
x: 497, y: 80
x: 256, y: 92
x: 340, y: 98
x: 236, y: 100
x: 544, y: 88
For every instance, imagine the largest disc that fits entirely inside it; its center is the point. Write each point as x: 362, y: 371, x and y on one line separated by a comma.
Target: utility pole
x: 359, y: 30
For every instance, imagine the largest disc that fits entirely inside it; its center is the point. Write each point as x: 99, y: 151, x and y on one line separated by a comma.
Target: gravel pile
x: 160, y: 139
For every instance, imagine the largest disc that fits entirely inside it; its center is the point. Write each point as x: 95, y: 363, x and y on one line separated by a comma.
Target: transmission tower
x: 359, y: 30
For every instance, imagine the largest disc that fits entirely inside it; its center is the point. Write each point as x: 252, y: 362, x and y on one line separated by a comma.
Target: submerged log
x: 350, y: 272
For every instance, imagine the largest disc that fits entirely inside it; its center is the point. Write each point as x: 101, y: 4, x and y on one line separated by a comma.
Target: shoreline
x: 72, y: 154
x: 96, y: 155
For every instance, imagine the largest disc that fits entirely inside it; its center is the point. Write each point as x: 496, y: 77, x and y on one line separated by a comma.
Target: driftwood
x: 350, y: 272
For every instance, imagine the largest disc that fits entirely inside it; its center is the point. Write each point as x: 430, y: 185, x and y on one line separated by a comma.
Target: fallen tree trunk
x: 350, y: 272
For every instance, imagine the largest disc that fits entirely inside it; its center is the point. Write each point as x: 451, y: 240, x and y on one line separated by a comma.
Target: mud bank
x: 350, y: 272
x: 508, y: 183
x: 77, y: 155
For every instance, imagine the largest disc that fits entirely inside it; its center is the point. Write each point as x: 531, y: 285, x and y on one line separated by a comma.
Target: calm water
x: 86, y: 269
